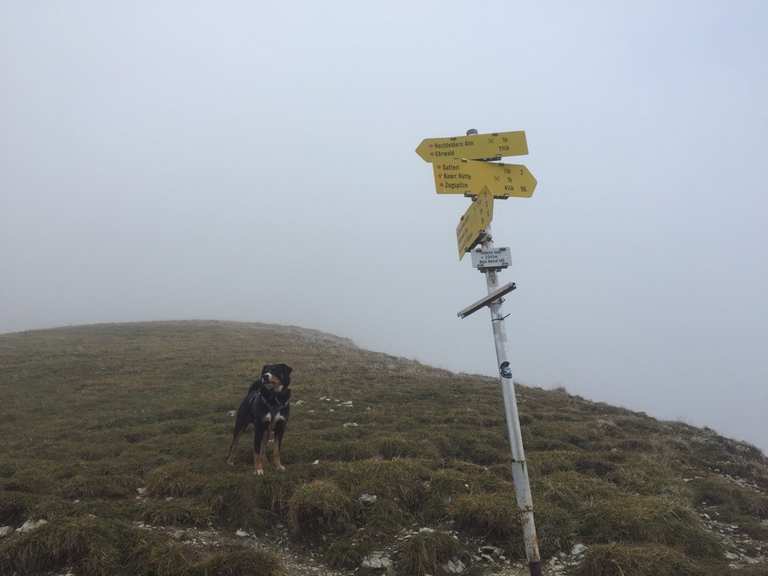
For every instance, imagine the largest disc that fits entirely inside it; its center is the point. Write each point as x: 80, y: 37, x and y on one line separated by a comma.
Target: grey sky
x: 255, y: 161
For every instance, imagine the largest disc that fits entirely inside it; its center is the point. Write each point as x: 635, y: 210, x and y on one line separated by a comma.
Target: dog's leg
x: 259, y: 445
x: 280, y: 423
x: 241, y: 423
x: 232, y: 446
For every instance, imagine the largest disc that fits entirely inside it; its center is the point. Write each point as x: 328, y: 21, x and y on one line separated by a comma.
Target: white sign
x: 496, y: 258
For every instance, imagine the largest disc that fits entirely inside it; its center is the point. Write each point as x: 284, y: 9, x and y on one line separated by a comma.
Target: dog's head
x: 277, y: 376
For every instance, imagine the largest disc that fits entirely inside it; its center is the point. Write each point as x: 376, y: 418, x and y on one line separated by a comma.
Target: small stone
x: 377, y: 561
x: 368, y: 498
x: 31, y: 525
x: 168, y: 498
x: 493, y: 550
x: 141, y: 491
x: 241, y: 533
x: 351, y: 424
x: 231, y: 413
x: 5, y: 530
x: 316, y: 462
x: 731, y: 556
x: 578, y: 549
x: 454, y: 566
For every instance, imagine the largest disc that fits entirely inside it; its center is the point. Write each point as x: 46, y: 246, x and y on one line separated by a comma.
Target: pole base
x: 535, y: 568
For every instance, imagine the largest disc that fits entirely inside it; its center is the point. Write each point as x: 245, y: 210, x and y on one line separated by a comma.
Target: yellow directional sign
x: 474, y: 147
x: 470, y: 177
x: 475, y: 220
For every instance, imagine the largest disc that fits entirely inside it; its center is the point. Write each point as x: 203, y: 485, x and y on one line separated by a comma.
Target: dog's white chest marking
x: 268, y: 418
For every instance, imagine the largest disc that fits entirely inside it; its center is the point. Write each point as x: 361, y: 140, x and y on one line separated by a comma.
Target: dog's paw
x: 258, y: 472
x: 281, y: 468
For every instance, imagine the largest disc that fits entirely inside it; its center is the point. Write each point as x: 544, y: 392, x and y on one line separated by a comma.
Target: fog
x: 255, y: 161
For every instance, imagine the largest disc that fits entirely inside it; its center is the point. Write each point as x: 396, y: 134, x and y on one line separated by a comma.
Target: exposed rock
x: 141, y: 491
x: 490, y: 550
x: 368, y: 498
x: 231, y: 413
x: 31, y: 525
x: 454, y: 566
x: 241, y: 533
x: 351, y: 424
x: 5, y: 530
x: 377, y: 563
x: 578, y: 549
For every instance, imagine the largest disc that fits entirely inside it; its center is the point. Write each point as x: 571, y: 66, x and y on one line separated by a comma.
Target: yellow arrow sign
x: 476, y: 146
x: 475, y: 220
x: 470, y: 177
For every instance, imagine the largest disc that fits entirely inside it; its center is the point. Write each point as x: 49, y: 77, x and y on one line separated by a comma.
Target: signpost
x: 470, y: 177
x: 464, y: 165
x: 472, y: 225
x: 474, y: 146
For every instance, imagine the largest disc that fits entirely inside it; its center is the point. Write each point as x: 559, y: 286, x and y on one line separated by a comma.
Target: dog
x: 267, y: 406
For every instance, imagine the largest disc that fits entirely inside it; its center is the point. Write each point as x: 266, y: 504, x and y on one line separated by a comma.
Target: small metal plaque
x: 489, y: 259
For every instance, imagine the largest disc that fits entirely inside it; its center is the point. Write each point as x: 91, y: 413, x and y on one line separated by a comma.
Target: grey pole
x: 519, y: 467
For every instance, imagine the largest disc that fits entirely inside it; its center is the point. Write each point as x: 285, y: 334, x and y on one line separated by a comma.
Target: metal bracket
x: 487, y: 301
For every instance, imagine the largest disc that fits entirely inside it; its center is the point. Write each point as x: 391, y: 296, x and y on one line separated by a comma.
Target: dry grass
x: 90, y: 414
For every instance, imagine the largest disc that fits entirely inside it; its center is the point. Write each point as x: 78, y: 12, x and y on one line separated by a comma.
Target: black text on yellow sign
x: 472, y: 225
x: 470, y: 177
x: 475, y: 146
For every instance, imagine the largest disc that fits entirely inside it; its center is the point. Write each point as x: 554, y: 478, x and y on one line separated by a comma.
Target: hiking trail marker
x: 474, y: 146
x: 468, y: 165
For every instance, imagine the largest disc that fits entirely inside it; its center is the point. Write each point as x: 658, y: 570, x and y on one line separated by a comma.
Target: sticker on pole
x: 494, y: 259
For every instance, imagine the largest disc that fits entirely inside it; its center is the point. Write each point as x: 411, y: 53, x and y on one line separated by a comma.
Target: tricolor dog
x: 267, y: 406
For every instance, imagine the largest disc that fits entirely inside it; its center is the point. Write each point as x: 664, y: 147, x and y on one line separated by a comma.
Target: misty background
x: 255, y: 161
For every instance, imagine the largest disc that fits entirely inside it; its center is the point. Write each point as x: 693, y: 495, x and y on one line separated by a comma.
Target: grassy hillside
x: 116, y: 435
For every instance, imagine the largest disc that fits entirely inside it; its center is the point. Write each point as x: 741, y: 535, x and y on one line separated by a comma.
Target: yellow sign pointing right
x: 470, y: 177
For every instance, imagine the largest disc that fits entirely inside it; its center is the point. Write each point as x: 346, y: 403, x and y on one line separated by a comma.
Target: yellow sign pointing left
x: 474, y: 146
x: 474, y: 222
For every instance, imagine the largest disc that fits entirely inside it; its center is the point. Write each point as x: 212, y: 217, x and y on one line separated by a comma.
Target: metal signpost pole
x: 519, y: 468
x: 468, y: 165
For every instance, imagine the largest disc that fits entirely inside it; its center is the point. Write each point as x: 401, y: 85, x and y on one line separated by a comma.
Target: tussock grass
x: 319, y: 507
x: 94, y: 547
x: 636, y: 519
x: 618, y: 560
x: 178, y: 512
x: 234, y: 501
x: 493, y: 516
x: 731, y: 501
x: 101, y: 486
x: 240, y: 562
x: 118, y: 407
x: 175, y: 479
x: 13, y: 508
x: 426, y: 553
